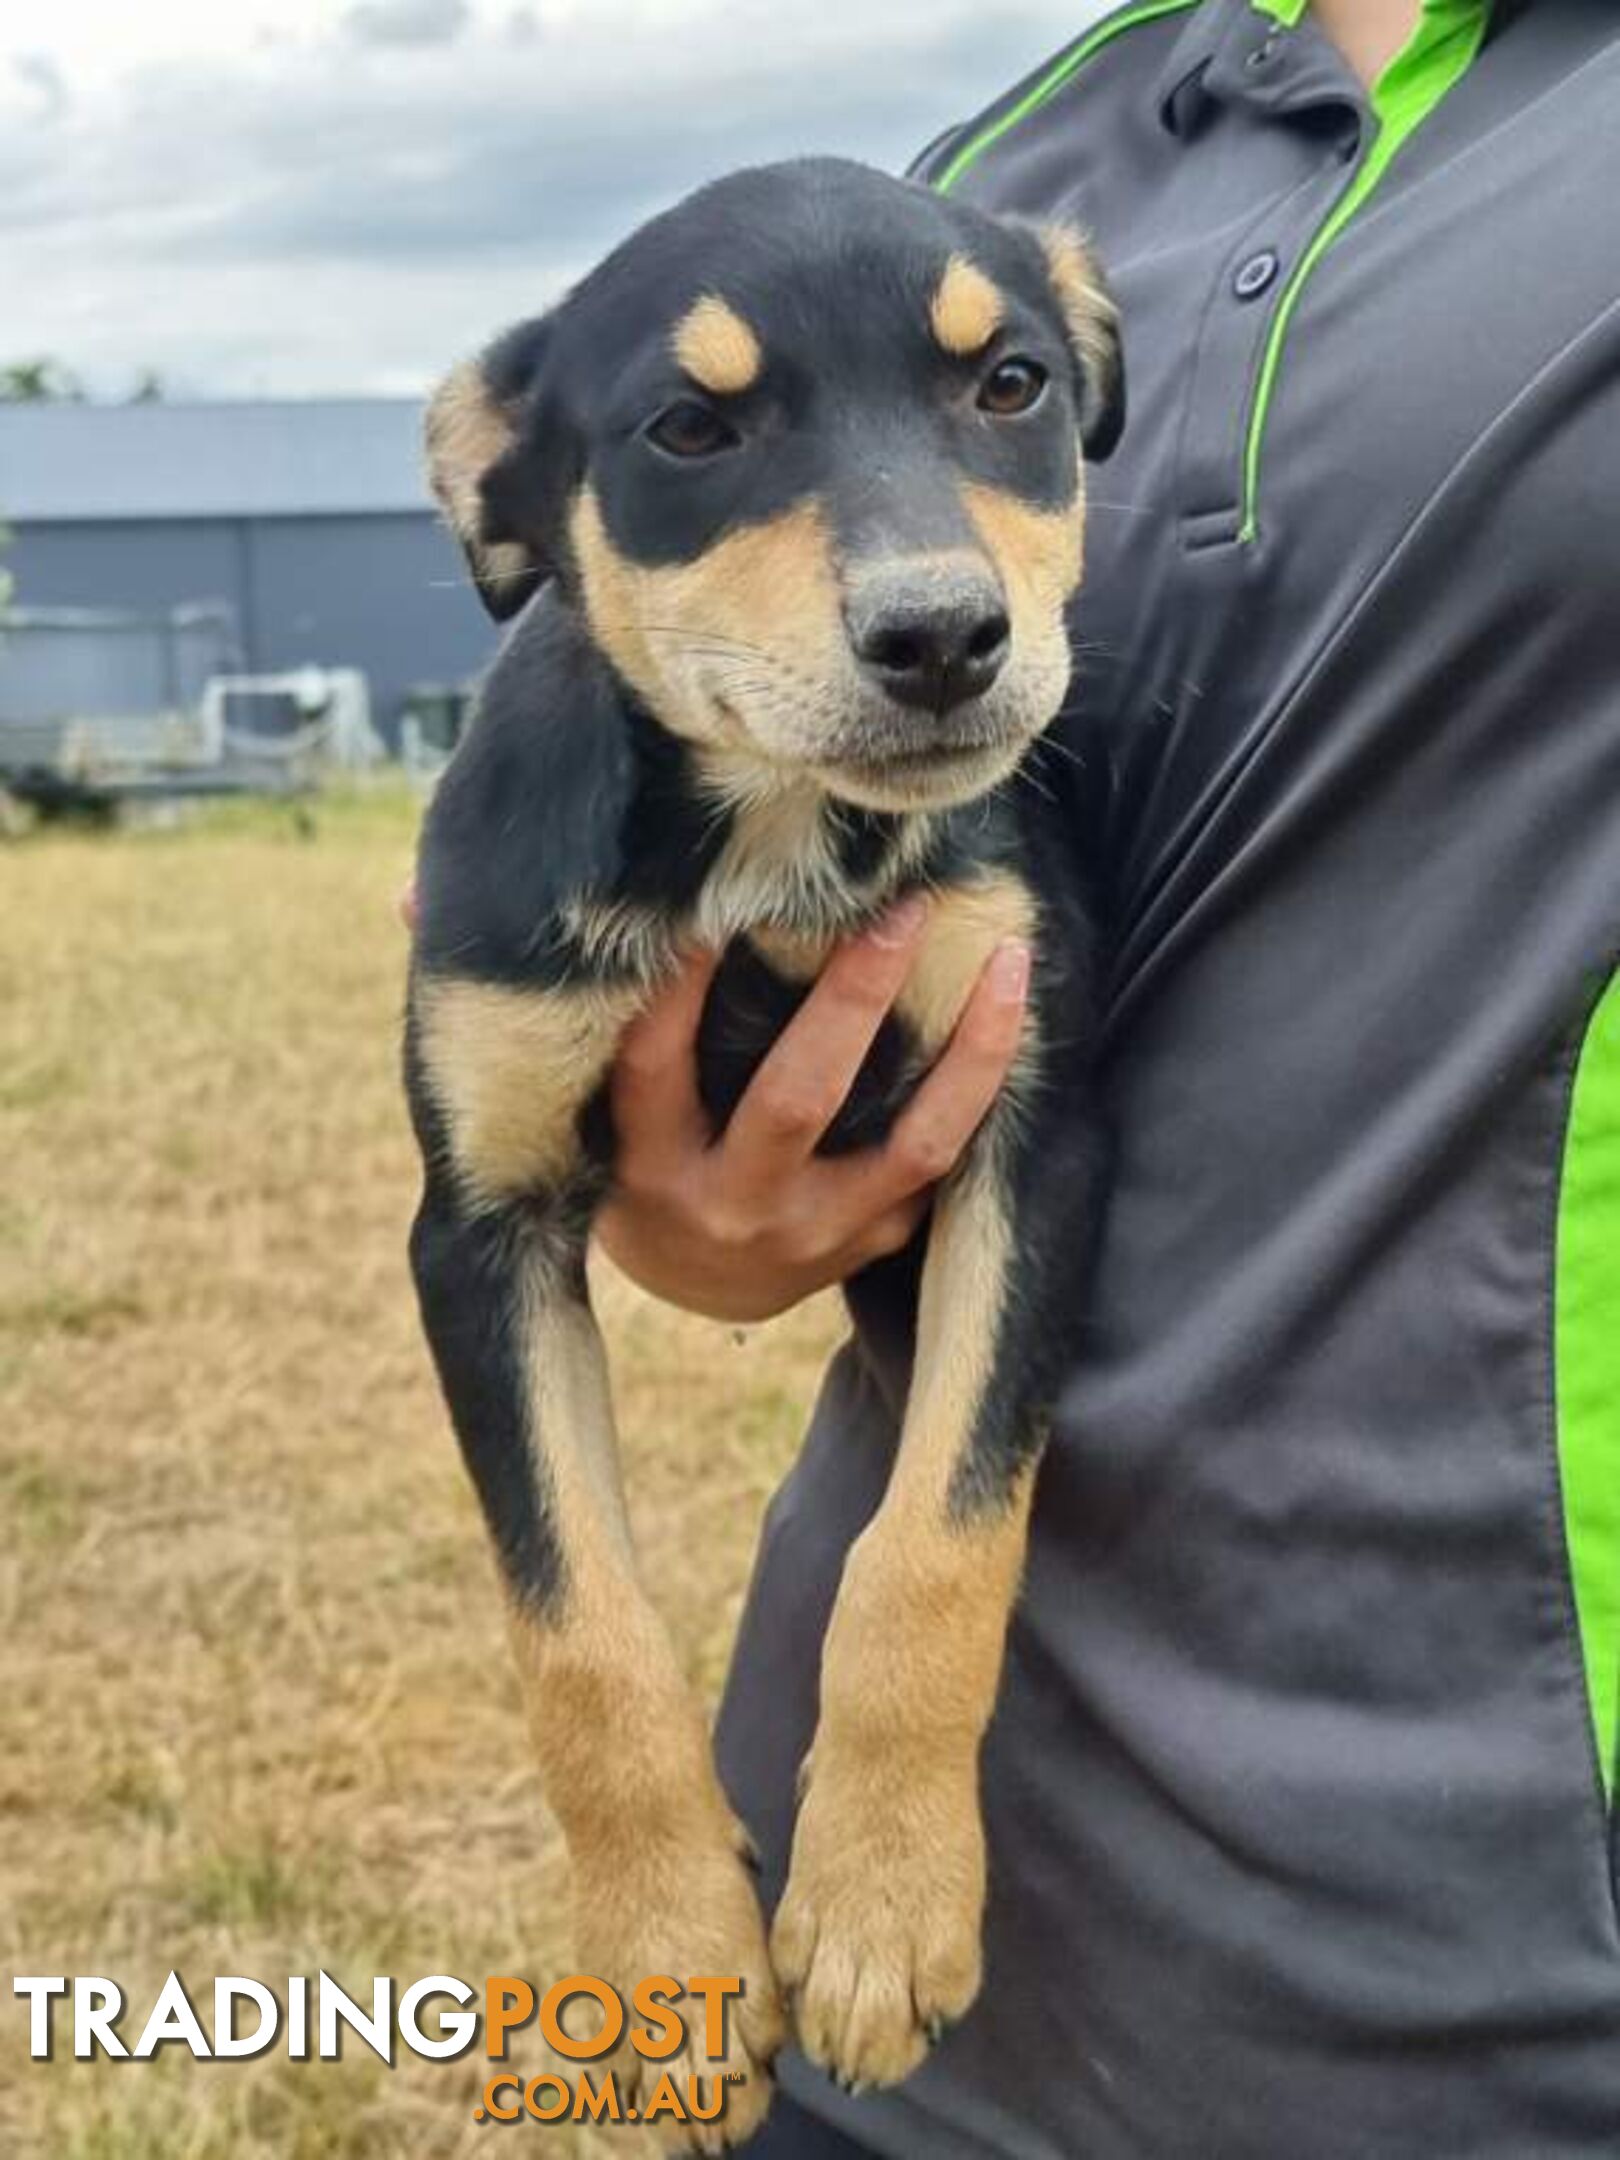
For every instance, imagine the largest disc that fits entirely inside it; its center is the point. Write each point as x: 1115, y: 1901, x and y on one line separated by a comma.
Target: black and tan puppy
x: 786, y: 499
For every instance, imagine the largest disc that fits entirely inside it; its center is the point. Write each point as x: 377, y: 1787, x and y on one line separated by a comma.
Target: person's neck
x: 1368, y: 32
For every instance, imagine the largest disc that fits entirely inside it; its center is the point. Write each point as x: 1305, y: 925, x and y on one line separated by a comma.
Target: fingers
x: 744, y: 1227
x: 853, y: 1210
x: 798, y: 1090
x: 930, y: 1134
x: 657, y: 1106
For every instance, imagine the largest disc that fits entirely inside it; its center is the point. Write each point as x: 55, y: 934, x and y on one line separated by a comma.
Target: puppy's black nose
x: 933, y: 652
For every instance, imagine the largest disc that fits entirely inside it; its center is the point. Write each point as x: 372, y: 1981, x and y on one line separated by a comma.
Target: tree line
x: 48, y: 381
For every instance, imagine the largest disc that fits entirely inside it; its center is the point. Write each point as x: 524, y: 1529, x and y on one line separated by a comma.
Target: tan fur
x: 778, y: 860
x: 1039, y: 554
x: 1087, y: 310
x: 745, y: 651
x: 967, y: 309
x: 909, y: 1676
x: 964, y: 1289
x: 660, y: 1879
x: 467, y: 432
x: 780, y: 867
x: 571, y: 1409
x: 796, y: 959
x: 965, y: 926
x: 717, y: 348
x: 621, y: 934
x: 660, y: 1876
x: 763, y: 602
x: 510, y: 1071
x: 601, y: 1663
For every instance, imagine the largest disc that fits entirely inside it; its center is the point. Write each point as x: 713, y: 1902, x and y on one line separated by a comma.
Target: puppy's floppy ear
x: 1092, y: 321
x: 474, y: 432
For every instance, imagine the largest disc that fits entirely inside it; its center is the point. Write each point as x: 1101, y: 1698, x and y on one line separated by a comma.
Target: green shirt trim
x: 1587, y: 1349
x: 1433, y: 61
x: 1060, y: 72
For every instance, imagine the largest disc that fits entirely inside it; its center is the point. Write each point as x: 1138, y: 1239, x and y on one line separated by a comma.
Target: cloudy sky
x: 290, y: 197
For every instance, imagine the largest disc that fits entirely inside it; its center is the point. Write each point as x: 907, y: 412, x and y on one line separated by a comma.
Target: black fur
x: 852, y: 241
x: 569, y: 787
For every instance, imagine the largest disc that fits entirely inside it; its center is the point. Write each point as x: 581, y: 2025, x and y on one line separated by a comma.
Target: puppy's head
x: 807, y: 454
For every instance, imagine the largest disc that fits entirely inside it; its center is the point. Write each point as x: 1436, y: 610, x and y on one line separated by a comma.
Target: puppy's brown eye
x: 1012, y: 387
x: 690, y: 430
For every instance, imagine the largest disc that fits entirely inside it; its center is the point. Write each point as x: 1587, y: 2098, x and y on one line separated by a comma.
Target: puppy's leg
x: 878, y: 1932
x: 661, y: 1880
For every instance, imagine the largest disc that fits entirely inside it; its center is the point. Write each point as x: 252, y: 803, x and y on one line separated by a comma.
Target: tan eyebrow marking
x: 717, y: 348
x: 967, y: 309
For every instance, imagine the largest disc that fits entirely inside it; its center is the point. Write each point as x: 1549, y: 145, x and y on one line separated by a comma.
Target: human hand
x: 744, y: 1226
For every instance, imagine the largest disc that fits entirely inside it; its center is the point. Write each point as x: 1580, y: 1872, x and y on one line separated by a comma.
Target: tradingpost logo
x: 440, y: 2018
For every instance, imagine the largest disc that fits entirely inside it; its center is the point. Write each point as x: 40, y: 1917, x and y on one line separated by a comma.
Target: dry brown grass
x: 256, y: 1714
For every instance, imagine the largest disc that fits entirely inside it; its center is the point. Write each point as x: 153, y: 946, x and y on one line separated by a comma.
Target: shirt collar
x: 1236, y: 52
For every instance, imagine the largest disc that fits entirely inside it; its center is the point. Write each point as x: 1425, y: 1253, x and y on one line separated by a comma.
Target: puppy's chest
x: 793, y: 871
x: 804, y: 871
x: 752, y: 1001
x: 785, y: 884
x: 767, y: 974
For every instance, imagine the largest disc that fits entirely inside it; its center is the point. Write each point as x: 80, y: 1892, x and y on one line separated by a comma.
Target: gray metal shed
x: 310, y: 520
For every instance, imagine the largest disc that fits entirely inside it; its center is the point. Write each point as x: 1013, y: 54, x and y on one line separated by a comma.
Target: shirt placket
x: 1261, y: 74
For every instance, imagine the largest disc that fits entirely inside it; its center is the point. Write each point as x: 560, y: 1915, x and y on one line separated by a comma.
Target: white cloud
x: 100, y: 40
x: 303, y: 212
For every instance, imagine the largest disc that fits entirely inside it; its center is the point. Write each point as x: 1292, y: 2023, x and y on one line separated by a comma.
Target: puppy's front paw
x: 877, y: 1936
x: 686, y: 1907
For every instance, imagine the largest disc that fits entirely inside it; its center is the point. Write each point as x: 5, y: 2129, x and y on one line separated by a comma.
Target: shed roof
x: 284, y: 458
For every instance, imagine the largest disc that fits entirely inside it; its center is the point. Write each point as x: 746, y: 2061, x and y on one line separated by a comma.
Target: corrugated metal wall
x: 386, y: 593
x: 72, y: 665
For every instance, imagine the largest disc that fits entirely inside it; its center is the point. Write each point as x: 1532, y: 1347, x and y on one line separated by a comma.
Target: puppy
x: 785, y: 501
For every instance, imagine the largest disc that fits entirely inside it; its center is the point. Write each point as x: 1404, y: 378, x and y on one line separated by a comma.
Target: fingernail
x: 901, y: 924
x: 1009, y: 972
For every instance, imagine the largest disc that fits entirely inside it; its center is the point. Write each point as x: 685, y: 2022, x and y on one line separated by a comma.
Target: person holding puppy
x: 1302, y: 1788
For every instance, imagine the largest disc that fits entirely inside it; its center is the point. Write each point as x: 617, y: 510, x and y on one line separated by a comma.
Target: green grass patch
x: 255, y: 1887
x: 41, y: 1504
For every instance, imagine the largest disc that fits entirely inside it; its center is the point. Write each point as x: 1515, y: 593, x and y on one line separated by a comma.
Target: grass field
x: 256, y: 1715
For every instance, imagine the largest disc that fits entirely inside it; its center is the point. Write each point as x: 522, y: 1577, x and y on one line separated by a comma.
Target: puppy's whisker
x: 1027, y: 777
x: 1049, y: 746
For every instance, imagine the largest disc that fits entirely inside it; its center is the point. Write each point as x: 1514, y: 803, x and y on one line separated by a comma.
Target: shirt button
x: 1256, y: 275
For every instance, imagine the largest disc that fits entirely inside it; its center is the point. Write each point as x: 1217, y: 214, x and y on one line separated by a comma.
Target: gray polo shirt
x: 1302, y: 1790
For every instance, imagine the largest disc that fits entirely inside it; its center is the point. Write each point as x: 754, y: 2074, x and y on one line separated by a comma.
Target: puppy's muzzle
x: 931, y: 645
